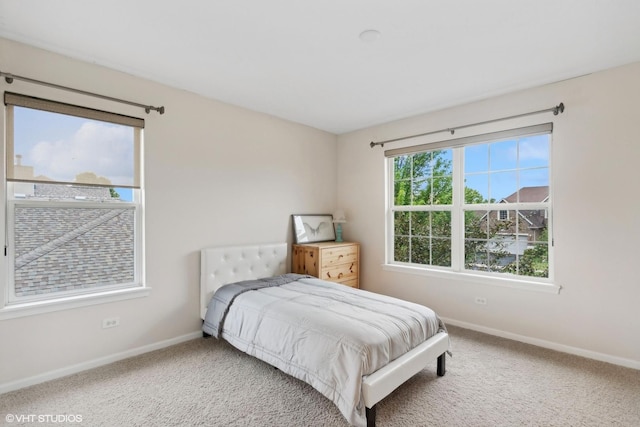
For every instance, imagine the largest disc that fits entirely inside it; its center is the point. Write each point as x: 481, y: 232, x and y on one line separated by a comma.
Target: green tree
x: 425, y: 179
x: 534, y: 262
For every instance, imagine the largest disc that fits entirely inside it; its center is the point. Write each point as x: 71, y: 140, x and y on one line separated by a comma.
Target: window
x: 74, y: 200
x: 447, y: 205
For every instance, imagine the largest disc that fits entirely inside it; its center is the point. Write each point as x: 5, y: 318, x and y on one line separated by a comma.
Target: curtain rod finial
x: 559, y: 109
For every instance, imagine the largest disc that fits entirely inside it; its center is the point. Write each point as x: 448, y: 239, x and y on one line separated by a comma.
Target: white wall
x: 596, y: 150
x: 214, y: 175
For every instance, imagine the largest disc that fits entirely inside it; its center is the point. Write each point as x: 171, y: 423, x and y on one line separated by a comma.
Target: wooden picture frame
x: 313, y: 228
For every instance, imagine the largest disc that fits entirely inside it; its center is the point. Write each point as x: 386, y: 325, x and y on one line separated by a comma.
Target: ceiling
x: 304, y: 60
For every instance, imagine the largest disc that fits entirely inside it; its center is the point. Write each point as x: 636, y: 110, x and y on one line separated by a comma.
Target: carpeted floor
x: 490, y: 381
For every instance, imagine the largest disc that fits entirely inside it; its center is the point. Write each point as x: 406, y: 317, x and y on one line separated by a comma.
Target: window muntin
x: 511, y: 173
x: 74, y: 214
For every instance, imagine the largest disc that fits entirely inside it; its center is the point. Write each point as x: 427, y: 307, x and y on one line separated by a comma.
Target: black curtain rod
x: 9, y: 78
x: 556, y: 110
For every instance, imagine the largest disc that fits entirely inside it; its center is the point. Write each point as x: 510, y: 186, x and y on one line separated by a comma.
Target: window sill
x: 529, y: 285
x: 32, y: 308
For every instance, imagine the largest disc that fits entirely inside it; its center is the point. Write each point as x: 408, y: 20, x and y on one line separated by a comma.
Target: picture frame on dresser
x: 312, y: 228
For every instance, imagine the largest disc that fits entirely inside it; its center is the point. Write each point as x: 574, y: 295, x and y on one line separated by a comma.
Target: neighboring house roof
x: 529, y: 195
x: 535, y: 218
x: 61, y: 191
x: 66, y: 248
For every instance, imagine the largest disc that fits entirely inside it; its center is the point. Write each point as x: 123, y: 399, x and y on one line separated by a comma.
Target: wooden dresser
x: 333, y: 261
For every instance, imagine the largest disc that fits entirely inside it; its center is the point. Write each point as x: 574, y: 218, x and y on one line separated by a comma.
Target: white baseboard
x: 63, y: 372
x: 627, y: 363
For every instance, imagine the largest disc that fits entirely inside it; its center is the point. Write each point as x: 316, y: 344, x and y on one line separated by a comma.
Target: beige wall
x: 595, y: 155
x: 214, y: 175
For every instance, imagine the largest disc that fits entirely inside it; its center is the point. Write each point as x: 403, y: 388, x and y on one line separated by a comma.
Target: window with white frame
x: 73, y: 200
x: 476, y: 205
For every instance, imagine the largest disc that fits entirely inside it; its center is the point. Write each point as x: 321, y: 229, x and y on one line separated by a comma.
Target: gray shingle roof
x: 66, y: 248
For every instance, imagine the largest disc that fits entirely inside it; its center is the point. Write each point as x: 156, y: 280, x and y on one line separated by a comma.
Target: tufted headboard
x: 227, y: 264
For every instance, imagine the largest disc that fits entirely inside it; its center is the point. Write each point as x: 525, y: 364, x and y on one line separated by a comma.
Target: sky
x: 60, y: 146
x: 499, y: 169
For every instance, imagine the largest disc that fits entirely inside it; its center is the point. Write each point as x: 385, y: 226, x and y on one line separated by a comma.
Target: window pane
x: 476, y: 188
x: 442, y: 190
x: 441, y: 224
x: 421, y: 193
x: 402, y: 193
x: 59, y: 148
x: 534, y: 151
x: 503, y: 185
x: 503, y: 155
x: 420, y: 224
x: 421, y: 164
x: 401, y: 249
x: 442, y: 162
x: 69, y: 248
x: 420, y: 251
x: 517, y: 245
x: 476, y: 158
x: 401, y: 221
x: 534, y: 262
x: 441, y: 252
x: 534, y: 178
x: 475, y: 224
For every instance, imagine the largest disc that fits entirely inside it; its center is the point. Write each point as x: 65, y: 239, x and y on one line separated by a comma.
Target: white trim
x: 602, y: 357
x: 46, y: 306
x: 493, y: 280
x: 90, y: 364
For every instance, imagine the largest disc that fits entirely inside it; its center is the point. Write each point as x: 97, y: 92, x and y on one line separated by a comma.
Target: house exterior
x: 510, y: 232
x: 531, y: 223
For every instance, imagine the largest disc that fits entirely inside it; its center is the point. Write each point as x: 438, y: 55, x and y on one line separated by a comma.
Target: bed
x: 355, y: 396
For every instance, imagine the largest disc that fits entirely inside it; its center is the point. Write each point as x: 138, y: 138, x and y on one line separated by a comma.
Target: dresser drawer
x: 340, y: 255
x: 354, y: 283
x: 341, y: 273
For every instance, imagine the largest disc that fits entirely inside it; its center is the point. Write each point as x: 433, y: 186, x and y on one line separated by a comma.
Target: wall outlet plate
x: 481, y: 300
x: 110, y: 322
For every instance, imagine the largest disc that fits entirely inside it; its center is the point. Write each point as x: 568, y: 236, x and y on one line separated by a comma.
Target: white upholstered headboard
x: 227, y: 264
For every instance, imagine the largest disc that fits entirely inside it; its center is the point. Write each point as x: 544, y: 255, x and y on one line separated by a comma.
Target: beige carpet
x: 489, y: 382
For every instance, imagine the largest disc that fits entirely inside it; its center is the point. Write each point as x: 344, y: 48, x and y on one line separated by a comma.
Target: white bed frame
x: 228, y: 264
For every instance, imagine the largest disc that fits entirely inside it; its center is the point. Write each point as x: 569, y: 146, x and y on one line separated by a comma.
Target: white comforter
x: 327, y: 335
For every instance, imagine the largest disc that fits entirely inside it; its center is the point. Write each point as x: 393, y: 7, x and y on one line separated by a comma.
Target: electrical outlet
x: 481, y: 300
x: 110, y: 322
